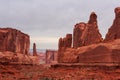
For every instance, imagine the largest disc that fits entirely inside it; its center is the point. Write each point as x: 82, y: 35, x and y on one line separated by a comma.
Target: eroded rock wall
x: 86, y: 33
x: 14, y: 40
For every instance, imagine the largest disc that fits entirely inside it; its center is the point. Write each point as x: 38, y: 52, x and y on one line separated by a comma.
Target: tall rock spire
x: 86, y: 33
x: 93, y: 18
x: 34, y: 50
x: 114, y: 30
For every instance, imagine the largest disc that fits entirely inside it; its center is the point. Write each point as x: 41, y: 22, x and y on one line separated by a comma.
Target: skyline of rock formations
x: 88, y: 33
x: 88, y: 42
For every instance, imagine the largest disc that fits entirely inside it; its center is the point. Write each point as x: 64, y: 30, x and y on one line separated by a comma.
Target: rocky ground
x: 40, y: 72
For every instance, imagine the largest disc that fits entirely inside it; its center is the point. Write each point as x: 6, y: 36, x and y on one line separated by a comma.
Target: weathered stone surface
x: 34, y: 50
x: 14, y: 47
x: 14, y: 40
x: 102, y: 52
x: 17, y: 58
x: 86, y: 33
x: 51, y: 56
x: 64, y: 43
x: 79, y: 29
x: 114, y: 30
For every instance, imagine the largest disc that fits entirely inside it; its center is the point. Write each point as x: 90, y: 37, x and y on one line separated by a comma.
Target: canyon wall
x: 14, y: 40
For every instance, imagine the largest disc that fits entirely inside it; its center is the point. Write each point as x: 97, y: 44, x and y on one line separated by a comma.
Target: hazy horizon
x: 46, y: 21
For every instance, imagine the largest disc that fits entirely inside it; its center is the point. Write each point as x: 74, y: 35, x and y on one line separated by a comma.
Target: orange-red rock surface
x: 51, y: 56
x: 114, y: 30
x: 102, y: 52
x: 34, y: 50
x: 14, y: 47
x: 40, y: 72
x: 14, y: 40
x: 88, y: 45
x: 90, y: 57
x: 86, y: 33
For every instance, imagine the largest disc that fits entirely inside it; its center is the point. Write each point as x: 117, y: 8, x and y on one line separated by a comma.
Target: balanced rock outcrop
x: 86, y: 33
x: 114, y: 30
x: 14, y: 40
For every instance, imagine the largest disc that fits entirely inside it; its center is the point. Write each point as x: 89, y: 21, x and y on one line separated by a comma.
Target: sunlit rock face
x: 14, y: 40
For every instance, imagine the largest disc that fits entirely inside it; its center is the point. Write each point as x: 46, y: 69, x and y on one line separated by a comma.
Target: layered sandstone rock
x: 51, y: 56
x: 34, y: 50
x: 64, y: 43
x: 102, y: 52
x: 14, y: 40
x: 114, y: 30
x: 86, y: 33
x: 14, y: 47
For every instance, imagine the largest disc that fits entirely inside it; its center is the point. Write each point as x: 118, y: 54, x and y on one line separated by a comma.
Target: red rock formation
x: 101, y: 52
x: 14, y: 40
x: 64, y: 43
x: 114, y: 30
x: 34, y: 50
x: 51, y: 56
x: 86, y: 33
x: 79, y: 29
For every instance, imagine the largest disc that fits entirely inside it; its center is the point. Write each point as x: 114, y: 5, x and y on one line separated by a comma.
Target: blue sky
x: 47, y: 20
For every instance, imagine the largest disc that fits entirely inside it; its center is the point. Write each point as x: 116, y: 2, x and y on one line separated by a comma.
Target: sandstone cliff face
x: 114, y: 30
x: 86, y: 33
x: 102, y: 52
x: 64, y: 43
x: 14, y: 47
x: 14, y: 40
x: 51, y: 56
